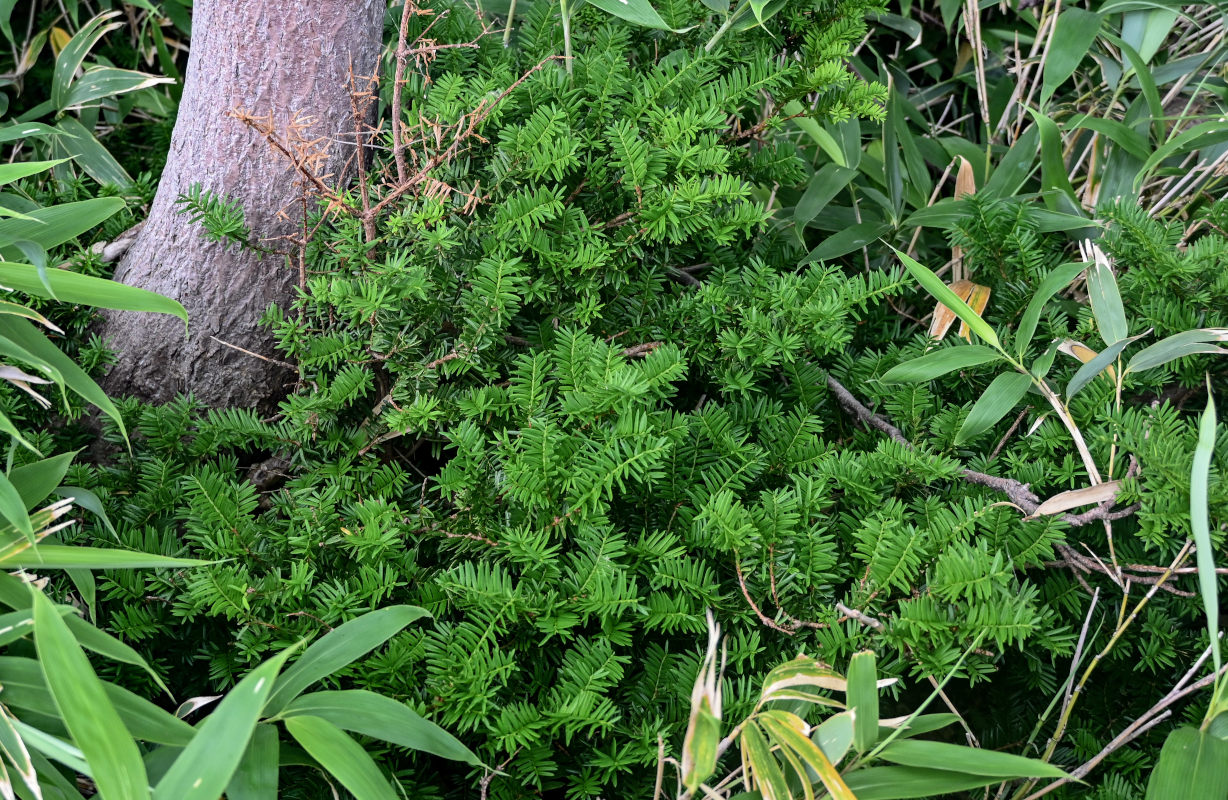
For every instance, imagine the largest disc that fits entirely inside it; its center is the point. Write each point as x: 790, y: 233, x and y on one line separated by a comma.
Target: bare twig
x: 1020, y: 494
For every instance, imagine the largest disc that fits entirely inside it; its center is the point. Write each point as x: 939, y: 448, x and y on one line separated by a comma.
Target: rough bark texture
x: 278, y: 57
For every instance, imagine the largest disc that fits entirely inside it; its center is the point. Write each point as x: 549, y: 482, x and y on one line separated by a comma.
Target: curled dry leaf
x: 1087, y: 496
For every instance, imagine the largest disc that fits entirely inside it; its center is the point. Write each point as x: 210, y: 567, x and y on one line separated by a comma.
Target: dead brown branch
x: 1019, y: 494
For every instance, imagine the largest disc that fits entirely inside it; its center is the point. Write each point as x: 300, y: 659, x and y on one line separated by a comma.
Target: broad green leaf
x: 13, y: 509
x: 32, y: 340
x: 906, y: 783
x: 1193, y: 764
x: 1199, y: 522
x: 968, y: 760
x: 919, y: 725
x: 1146, y: 30
x: 1179, y: 345
x: 27, y: 130
x: 26, y: 687
x: 104, y: 644
x: 943, y: 294
x: 863, y: 700
x: 1119, y: 133
x: 73, y: 287
x: 341, y: 757
x: 826, y: 142
x: 7, y: 426
x: 1057, y: 279
x: 24, y: 169
x: 1073, y: 35
x: 84, y: 498
x: 54, y: 748
x: 88, y: 153
x: 1105, y: 300
x: 1015, y: 167
x: 940, y: 362
x: 34, y: 482
x: 92, y: 720
x: 101, y: 81
x: 1193, y: 138
x: 339, y: 647
x: 52, y: 556
x: 1092, y: 368
x: 204, y: 768
x: 846, y: 241
x: 1147, y: 83
x: 1002, y: 395
x: 823, y: 186
x: 1054, y: 177
x: 56, y: 224
x: 256, y: 777
x: 834, y: 736
x: 69, y: 60
x: 380, y: 717
x: 944, y: 213
x: 639, y: 12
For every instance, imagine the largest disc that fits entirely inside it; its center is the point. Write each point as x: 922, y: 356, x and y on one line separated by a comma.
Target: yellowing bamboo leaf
x: 703, y: 731
x: 978, y: 298
x: 58, y: 39
x: 1088, y: 495
x: 800, y: 671
x: 788, y: 731
x: 1084, y: 353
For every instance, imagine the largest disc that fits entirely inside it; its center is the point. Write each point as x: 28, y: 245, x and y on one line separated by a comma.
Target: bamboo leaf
x: 1073, y: 34
x: 1179, y: 345
x: 90, y: 717
x: 73, y: 287
x: 834, y: 736
x: 1002, y: 395
x: 967, y: 760
x: 1105, y: 299
x: 906, y: 783
x: 339, y: 647
x: 1200, y: 473
x: 761, y: 768
x: 256, y: 777
x: 943, y: 294
x: 341, y: 757
x: 1102, y: 361
x: 204, y: 768
x: 863, y: 700
x: 1192, y: 764
x: 56, y: 224
x: 380, y: 717
x: 639, y: 12
x: 1058, y: 279
x: 939, y: 363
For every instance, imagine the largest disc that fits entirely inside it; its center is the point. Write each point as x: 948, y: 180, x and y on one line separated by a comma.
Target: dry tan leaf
x: 978, y: 298
x: 965, y: 184
x: 943, y: 316
x: 1087, y: 496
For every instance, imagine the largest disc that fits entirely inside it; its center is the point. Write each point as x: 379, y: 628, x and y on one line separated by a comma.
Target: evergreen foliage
x: 573, y: 395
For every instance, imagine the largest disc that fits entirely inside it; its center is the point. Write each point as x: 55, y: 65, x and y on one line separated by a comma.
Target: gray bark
x: 277, y: 57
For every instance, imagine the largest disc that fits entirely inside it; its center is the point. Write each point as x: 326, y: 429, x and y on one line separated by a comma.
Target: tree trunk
x: 269, y: 57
